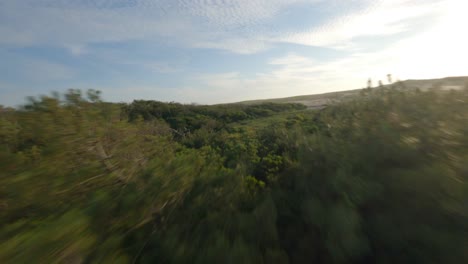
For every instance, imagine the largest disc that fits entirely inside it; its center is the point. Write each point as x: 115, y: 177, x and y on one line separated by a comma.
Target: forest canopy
x: 380, y: 178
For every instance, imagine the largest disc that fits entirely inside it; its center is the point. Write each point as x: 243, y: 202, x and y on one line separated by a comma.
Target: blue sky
x: 217, y: 51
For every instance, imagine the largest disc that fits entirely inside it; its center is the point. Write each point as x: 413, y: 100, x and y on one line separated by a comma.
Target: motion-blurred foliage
x: 378, y: 179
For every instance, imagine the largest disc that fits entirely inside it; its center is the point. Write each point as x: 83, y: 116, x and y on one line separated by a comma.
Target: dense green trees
x: 378, y: 179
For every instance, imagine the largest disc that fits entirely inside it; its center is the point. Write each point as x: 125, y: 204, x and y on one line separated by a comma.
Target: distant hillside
x: 321, y: 100
x: 443, y: 84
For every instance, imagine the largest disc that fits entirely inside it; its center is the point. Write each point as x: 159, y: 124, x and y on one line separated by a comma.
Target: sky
x: 220, y: 51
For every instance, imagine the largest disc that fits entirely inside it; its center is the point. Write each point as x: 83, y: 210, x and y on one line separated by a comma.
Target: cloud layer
x: 242, y: 26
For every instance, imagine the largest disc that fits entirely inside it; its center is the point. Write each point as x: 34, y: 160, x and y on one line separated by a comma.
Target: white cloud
x: 240, y: 26
x: 51, y: 24
x: 77, y: 50
x: 233, y: 86
x: 379, y: 18
x: 233, y: 44
x: 291, y: 59
x: 239, y: 13
x: 203, y: 24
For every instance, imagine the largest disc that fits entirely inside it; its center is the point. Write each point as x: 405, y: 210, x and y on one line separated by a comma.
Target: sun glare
x: 440, y: 51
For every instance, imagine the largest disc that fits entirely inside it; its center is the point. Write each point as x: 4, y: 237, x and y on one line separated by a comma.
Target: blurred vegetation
x: 378, y: 179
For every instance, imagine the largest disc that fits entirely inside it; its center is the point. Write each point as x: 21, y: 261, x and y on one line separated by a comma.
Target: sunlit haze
x: 217, y: 51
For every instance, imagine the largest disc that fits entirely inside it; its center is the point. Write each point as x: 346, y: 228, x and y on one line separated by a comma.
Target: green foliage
x: 192, y: 117
x: 378, y: 179
x: 43, y: 242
